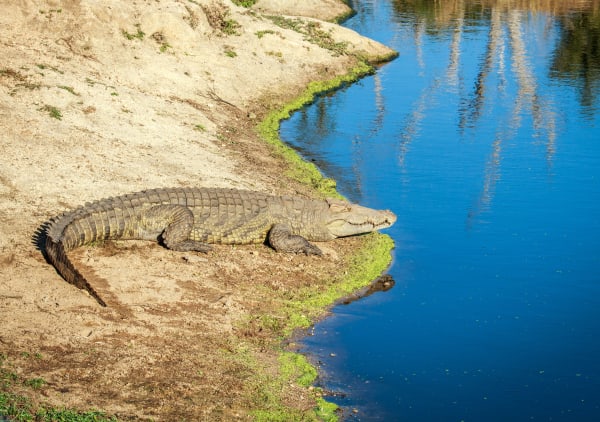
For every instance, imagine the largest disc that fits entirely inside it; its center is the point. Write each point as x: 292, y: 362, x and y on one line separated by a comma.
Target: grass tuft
x: 53, y: 112
x: 139, y: 34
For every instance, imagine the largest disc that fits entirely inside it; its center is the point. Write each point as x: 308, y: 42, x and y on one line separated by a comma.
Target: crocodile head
x: 346, y: 219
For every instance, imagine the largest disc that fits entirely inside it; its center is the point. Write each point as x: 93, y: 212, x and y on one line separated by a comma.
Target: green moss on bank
x: 298, y: 169
x: 294, y: 368
x: 304, y: 306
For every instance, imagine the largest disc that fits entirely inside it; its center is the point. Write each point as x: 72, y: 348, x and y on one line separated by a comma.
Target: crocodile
x: 189, y: 219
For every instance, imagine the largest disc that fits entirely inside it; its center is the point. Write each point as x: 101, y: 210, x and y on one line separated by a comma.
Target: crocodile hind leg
x: 282, y: 239
x: 178, y: 221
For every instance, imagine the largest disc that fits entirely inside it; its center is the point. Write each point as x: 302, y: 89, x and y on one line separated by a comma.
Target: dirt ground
x: 104, y: 98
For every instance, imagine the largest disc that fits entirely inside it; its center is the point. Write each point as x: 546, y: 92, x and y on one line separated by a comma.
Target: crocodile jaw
x: 346, y: 219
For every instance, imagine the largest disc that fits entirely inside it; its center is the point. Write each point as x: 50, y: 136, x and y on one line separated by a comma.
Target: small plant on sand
x: 230, y: 27
x: 43, y: 66
x: 261, y: 34
x: 229, y: 52
x: 218, y: 18
x: 313, y: 32
x: 277, y: 54
x: 35, y: 383
x: 53, y: 112
x: 69, y: 89
x: 138, y: 35
x: 295, y: 24
x: 324, y: 39
x: 244, y: 3
x: 159, y: 37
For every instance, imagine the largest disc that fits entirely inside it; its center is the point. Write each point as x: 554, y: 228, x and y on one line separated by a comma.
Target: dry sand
x: 104, y: 98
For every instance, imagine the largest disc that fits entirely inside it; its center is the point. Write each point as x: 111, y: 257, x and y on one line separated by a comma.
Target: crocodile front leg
x: 282, y: 239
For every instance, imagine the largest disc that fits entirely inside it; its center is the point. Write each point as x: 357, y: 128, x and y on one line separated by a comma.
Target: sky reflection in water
x: 484, y: 138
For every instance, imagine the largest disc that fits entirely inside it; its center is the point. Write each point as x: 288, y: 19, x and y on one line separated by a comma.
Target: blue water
x: 484, y: 138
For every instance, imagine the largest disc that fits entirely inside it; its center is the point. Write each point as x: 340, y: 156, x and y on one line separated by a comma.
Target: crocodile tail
x: 58, y: 257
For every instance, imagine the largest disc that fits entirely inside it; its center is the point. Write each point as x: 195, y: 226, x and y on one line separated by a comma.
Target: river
x: 484, y: 138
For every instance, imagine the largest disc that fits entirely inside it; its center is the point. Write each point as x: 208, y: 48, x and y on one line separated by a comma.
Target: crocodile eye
x: 335, y: 205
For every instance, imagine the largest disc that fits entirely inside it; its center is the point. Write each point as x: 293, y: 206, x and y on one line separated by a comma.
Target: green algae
x: 301, y: 308
x: 294, y: 366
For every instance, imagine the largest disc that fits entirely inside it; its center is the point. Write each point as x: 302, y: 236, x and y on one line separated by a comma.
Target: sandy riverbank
x: 101, y: 99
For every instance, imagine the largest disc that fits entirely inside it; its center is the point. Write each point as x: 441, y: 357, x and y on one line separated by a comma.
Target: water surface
x: 484, y: 138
